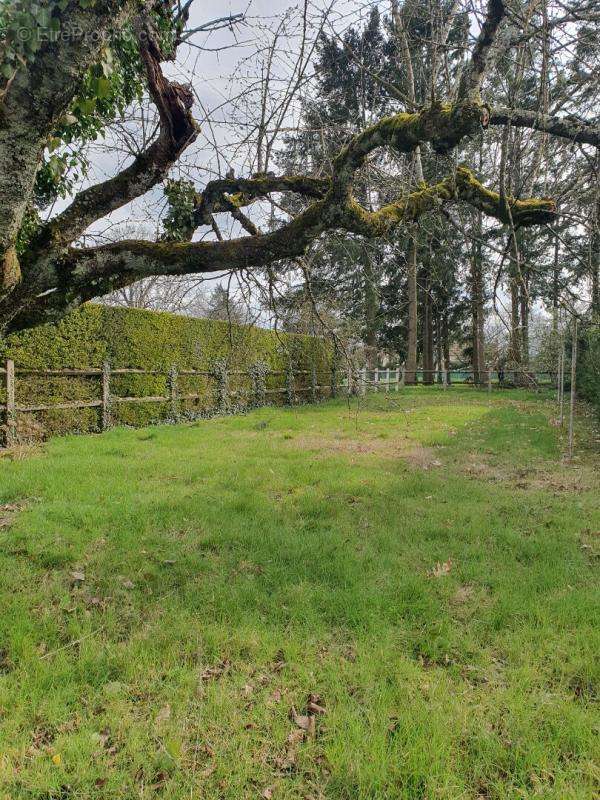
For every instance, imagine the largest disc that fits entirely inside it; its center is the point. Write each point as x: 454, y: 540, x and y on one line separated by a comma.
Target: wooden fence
x: 353, y: 382
x: 258, y: 394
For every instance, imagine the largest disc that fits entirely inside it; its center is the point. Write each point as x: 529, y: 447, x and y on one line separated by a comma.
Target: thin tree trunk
x: 427, y: 334
x: 439, y: 349
x: 595, y: 249
x: 555, y: 283
x: 524, y: 315
x: 515, y: 315
x: 477, y: 305
x: 446, y: 343
x: 371, y: 305
x: 411, y: 349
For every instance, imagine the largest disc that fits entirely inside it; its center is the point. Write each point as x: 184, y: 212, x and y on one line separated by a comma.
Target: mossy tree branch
x: 83, y: 273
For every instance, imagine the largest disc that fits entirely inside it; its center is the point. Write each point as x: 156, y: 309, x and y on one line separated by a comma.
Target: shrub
x: 154, y: 341
x: 588, y: 372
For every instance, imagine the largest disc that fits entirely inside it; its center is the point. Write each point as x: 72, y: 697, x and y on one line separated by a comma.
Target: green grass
x: 237, y: 565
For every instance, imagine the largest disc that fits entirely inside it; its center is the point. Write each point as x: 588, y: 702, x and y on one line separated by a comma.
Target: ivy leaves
x: 179, y: 219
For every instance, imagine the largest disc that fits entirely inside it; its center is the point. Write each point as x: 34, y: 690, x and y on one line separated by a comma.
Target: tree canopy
x: 70, y: 68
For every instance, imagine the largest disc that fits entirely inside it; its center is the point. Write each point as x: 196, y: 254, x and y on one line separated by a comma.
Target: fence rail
x: 256, y: 393
x: 353, y: 382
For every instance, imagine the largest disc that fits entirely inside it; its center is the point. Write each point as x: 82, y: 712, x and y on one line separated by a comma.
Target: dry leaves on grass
x: 164, y: 714
x: 441, y: 569
x: 212, y: 673
x: 7, y: 513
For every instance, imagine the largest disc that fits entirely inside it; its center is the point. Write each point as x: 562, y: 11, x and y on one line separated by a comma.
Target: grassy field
x: 397, y: 600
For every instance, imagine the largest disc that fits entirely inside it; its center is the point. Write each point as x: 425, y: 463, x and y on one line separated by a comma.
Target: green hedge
x: 588, y: 373
x: 155, y: 341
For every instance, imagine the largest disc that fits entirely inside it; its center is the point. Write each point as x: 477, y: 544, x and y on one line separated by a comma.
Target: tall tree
x: 57, y: 89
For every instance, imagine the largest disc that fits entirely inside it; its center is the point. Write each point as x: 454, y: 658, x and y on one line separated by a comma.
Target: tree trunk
x: 477, y: 305
x: 515, y: 315
x: 555, y: 283
x: 595, y: 249
x: 427, y: 334
x: 524, y: 318
x: 411, y: 348
x: 370, y: 313
x: 439, y: 349
x: 446, y: 343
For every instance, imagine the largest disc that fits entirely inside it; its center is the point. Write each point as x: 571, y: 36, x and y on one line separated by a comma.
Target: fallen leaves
x: 306, y: 722
x: 211, y: 673
x: 164, y: 714
x: 313, y: 705
x: 441, y: 569
x: 8, y: 512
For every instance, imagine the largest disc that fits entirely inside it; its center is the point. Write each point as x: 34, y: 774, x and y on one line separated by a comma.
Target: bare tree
x: 48, y: 273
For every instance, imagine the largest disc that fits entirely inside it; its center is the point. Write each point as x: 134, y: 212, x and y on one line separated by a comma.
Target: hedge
x: 588, y: 372
x: 95, y: 334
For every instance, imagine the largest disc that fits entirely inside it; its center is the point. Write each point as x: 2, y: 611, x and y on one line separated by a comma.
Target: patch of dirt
x: 407, y: 449
x: 589, y: 541
x: 8, y: 512
x: 556, y: 477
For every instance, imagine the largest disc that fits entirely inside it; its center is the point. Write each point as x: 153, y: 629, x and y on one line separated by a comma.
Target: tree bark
x: 371, y: 306
x: 595, y: 249
x: 427, y: 333
x: 410, y: 376
x: 477, y: 304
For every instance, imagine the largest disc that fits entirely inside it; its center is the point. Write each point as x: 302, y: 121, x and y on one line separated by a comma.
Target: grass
x: 423, y: 564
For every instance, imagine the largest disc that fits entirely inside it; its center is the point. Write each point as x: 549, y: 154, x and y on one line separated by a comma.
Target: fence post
x: 173, y: 392
x: 376, y: 379
x: 106, y: 411
x: 219, y: 372
x: 289, y: 384
x: 349, y: 388
x: 573, y: 379
x: 11, y: 409
x: 489, y: 379
x: 334, y: 376
x: 313, y: 383
x: 258, y: 373
x: 363, y: 381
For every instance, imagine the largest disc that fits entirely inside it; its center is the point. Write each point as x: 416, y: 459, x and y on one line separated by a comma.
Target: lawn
x: 395, y: 599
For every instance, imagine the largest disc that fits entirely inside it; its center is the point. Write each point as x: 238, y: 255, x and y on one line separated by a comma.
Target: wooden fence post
x: 573, y: 379
x: 363, y: 381
x: 106, y: 411
x: 173, y: 392
x: 313, y: 383
x: 334, y: 376
x: 11, y: 409
x: 289, y: 384
x: 489, y: 379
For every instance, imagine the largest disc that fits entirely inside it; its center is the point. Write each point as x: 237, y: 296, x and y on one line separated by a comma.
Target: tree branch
x: 84, y: 273
x: 177, y: 130
x: 567, y: 128
x: 472, y: 78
